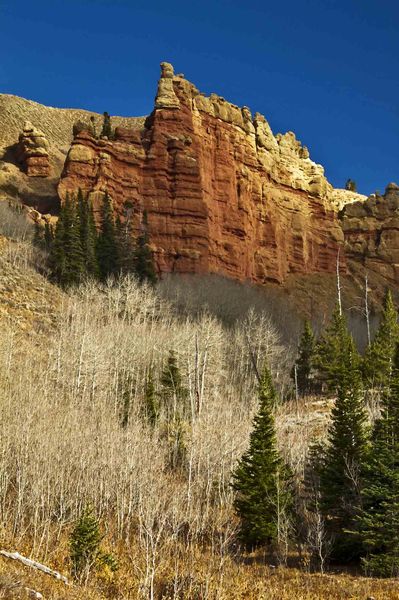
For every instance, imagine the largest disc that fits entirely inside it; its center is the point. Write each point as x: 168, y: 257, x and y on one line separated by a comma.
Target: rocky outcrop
x: 222, y: 193
x: 32, y: 152
x: 371, y: 231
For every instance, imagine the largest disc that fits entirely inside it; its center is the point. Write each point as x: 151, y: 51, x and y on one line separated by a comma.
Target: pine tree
x: 85, y: 547
x: 378, y: 359
x: 303, y: 369
x: 150, y: 400
x: 48, y: 236
x: 107, y: 248
x: 328, y: 358
x: 85, y: 543
x: 262, y: 480
x: 66, y: 255
x: 106, y: 130
x: 125, y: 242
x: 88, y: 234
x: 340, y: 465
x: 92, y: 127
x: 145, y: 268
x: 378, y: 521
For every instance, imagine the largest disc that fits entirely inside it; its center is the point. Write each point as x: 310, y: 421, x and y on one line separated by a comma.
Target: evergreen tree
x: 328, y: 358
x: 85, y: 543
x: 304, y: 364
x: 378, y: 359
x: 261, y: 479
x: 150, y: 400
x: 145, y: 268
x: 378, y: 521
x: 106, y: 130
x: 107, y: 248
x: 172, y: 390
x: 66, y: 256
x: 85, y: 547
x: 48, y: 236
x: 92, y: 127
x: 88, y: 234
x: 340, y: 465
x: 125, y: 242
x: 125, y: 396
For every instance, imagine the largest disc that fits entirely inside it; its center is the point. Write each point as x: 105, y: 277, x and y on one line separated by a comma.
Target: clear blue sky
x: 326, y: 69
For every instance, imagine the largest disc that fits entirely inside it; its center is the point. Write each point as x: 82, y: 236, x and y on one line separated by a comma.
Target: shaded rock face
x: 222, y: 193
x: 371, y: 231
x: 32, y: 152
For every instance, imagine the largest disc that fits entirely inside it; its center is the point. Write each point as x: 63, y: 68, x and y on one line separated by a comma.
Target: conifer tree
x: 92, y: 126
x: 85, y: 547
x: 173, y: 391
x: 48, y: 236
x: 378, y: 359
x: 145, y: 269
x: 106, y: 130
x: 378, y: 521
x: 340, y: 465
x: 125, y: 242
x: 85, y: 543
x: 262, y: 480
x: 88, y: 234
x: 304, y: 364
x: 107, y: 248
x: 150, y: 400
x: 66, y: 256
x: 328, y: 358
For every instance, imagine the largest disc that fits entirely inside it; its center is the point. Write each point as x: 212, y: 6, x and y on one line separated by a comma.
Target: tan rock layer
x: 32, y: 152
x: 371, y: 232
x: 222, y: 193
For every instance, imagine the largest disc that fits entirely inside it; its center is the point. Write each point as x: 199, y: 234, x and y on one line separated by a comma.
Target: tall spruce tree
x: 302, y: 372
x: 378, y: 521
x: 66, y: 255
x: 340, y: 465
x: 328, y: 357
x: 262, y: 480
x: 125, y: 242
x: 173, y: 393
x: 378, y: 359
x: 88, y: 234
x: 145, y: 268
x: 150, y: 400
x: 107, y: 247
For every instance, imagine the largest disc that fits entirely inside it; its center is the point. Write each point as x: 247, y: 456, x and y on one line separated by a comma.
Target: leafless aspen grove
x: 64, y: 445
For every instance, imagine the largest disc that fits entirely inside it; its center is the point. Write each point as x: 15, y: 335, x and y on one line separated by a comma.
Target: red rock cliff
x: 222, y: 193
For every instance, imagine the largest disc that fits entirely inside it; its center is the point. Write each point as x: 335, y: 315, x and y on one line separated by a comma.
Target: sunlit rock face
x: 371, y: 232
x: 222, y: 193
x: 32, y: 151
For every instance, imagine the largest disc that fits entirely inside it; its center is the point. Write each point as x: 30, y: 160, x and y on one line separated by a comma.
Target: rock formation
x: 33, y: 152
x: 222, y: 193
x: 371, y: 232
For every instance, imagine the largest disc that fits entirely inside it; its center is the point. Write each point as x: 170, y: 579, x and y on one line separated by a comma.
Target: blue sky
x: 326, y: 69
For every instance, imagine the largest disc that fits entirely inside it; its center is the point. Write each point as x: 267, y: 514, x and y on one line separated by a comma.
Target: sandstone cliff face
x: 371, y: 232
x: 222, y: 193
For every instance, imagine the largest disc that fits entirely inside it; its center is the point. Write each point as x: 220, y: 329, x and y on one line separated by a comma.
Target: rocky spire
x: 33, y: 151
x: 166, y: 97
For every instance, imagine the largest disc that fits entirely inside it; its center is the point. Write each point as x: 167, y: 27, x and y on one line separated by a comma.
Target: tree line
x: 78, y: 248
x: 351, y: 479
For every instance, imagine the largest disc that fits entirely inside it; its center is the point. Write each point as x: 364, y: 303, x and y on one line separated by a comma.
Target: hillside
x: 56, y: 123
